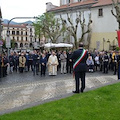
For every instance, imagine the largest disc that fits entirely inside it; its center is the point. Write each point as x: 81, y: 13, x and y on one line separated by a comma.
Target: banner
x: 118, y: 35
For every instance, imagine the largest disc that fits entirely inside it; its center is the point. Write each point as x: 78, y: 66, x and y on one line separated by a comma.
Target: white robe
x: 52, y: 65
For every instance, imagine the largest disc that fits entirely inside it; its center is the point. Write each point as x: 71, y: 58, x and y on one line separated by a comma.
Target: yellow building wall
x: 98, y: 38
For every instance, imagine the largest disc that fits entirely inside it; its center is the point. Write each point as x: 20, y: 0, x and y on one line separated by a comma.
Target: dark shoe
x: 81, y: 91
x: 75, y: 92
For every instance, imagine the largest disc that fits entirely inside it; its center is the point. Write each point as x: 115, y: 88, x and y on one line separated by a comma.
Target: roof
x: 103, y: 2
x: 15, y: 26
x: 93, y: 3
x: 87, y: 2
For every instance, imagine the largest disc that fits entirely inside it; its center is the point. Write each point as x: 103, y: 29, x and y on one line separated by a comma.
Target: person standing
x: 30, y: 61
x: 69, y: 63
x: 43, y: 62
x: 79, y: 58
x: 52, y: 64
x: 97, y: 62
x: 63, y: 58
x: 11, y: 62
x: 114, y: 59
x: 35, y: 63
x: 22, y: 61
x: 118, y: 60
x: 105, y: 62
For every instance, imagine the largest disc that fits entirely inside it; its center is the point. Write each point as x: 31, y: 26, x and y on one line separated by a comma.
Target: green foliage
x: 49, y: 26
x: 4, y: 44
x: 100, y: 104
x: 117, y: 48
x: 13, y: 44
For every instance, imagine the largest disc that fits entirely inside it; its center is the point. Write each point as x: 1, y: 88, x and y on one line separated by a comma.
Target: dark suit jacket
x: 82, y: 67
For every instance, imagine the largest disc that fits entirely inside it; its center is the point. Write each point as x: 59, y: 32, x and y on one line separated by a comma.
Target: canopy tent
x: 49, y: 45
x: 53, y: 45
x: 64, y: 45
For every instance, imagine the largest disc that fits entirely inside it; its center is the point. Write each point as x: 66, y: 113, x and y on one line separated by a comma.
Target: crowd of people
x: 35, y: 61
x: 38, y: 62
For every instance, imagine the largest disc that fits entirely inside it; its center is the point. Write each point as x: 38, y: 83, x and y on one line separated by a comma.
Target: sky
x: 24, y: 8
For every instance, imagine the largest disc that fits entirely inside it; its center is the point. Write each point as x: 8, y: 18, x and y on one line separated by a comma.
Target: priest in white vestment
x: 52, y: 64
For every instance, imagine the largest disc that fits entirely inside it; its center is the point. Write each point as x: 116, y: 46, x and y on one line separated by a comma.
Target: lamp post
x: 1, y: 35
x: 103, y: 43
x: 109, y: 43
x: 8, y: 41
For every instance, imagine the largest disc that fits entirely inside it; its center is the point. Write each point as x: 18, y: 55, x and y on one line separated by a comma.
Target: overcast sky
x: 24, y: 8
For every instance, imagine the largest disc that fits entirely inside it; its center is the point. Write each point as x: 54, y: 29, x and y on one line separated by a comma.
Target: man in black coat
x: 79, y: 58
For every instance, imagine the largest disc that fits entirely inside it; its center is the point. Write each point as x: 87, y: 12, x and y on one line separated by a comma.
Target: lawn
x: 99, y: 104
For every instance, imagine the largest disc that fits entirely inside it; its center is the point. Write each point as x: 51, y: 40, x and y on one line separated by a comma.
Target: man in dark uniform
x: 35, y: 63
x: 30, y: 61
x: 79, y: 58
x: 118, y: 60
x: 105, y: 62
x: 0, y: 65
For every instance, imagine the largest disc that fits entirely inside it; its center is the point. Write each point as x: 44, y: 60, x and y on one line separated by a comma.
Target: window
x: 21, y: 32
x: 26, y: 38
x: 13, y: 32
x: 26, y: 33
x: 30, y: 29
x: 79, y: 0
x: 100, y: 12
x: 17, y: 33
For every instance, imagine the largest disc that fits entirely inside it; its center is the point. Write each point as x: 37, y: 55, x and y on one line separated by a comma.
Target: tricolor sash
x: 84, y: 52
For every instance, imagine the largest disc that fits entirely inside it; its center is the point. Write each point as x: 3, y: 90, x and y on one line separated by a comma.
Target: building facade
x: 104, y: 25
x: 22, y: 36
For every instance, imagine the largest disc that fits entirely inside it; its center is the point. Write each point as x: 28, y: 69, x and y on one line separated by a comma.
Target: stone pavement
x: 23, y: 95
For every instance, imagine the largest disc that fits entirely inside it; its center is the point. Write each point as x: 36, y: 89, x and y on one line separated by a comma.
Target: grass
x: 100, y: 104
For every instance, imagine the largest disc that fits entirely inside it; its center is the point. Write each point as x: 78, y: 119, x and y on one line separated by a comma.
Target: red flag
x: 118, y: 34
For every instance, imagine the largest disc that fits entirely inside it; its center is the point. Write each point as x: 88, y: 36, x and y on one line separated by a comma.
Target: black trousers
x: 80, y: 75
x: 43, y: 69
x: 105, y: 67
x: 115, y: 67
x: 21, y: 69
x: 119, y: 70
x: 30, y: 64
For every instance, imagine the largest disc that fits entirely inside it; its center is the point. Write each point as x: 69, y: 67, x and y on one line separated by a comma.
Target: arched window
x: 21, y: 45
x: 31, y: 45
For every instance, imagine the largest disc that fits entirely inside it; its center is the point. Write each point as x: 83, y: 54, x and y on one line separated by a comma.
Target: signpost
x: 8, y: 42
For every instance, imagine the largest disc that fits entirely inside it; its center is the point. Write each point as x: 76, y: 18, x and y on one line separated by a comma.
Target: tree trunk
x: 75, y: 40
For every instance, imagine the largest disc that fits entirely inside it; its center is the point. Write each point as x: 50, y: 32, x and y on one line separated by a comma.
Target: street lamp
x: 1, y: 35
x: 8, y: 41
x: 103, y: 43
x: 109, y: 43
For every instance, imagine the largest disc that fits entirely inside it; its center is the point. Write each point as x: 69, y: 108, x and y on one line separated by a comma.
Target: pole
x: 103, y: 43
x: 0, y: 34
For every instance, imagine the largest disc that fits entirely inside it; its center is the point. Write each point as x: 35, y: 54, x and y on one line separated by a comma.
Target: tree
x: 48, y: 26
x: 73, y: 28
x: 13, y: 43
x: 117, y: 9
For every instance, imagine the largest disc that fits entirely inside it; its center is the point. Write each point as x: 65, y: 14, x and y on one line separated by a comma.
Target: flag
x: 118, y: 35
